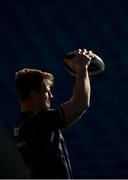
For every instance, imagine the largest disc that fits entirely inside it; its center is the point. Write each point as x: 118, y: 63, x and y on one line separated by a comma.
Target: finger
x: 78, y: 51
x: 83, y: 51
x: 89, y: 57
x: 93, y: 55
x: 89, y: 53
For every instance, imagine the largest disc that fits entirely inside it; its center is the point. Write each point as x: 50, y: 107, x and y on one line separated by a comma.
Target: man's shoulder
x: 44, y: 118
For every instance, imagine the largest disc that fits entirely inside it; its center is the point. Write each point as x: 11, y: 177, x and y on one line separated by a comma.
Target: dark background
x: 37, y: 34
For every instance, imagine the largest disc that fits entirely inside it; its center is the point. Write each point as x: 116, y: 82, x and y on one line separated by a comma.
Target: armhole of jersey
x: 61, y: 112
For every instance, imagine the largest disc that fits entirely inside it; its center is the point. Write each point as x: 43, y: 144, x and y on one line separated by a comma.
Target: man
x: 38, y: 129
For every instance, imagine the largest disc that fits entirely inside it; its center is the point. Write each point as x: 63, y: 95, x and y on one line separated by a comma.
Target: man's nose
x: 51, y: 95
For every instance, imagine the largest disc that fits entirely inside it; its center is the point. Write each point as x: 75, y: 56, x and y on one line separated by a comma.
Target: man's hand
x: 81, y: 60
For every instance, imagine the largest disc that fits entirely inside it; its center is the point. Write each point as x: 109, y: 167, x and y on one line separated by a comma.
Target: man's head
x: 33, y: 85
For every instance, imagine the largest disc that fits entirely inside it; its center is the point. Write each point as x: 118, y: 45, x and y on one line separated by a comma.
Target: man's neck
x: 28, y: 106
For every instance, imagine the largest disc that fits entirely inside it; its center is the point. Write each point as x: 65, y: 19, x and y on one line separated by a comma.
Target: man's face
x: 45, y: 96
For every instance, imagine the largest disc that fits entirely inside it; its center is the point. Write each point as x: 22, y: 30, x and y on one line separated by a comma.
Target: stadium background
x: 37, y: 34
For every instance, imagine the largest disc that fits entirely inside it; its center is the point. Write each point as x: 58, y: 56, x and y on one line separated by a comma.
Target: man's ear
x: 33, y: 93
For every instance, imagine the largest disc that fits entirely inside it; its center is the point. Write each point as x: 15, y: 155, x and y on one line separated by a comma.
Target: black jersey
x: 41, y: 144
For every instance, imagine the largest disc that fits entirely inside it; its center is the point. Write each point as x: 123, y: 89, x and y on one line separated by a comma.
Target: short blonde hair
x: 29, y: 79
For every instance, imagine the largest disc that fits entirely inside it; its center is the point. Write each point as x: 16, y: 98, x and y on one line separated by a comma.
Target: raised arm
x: 80, y: 100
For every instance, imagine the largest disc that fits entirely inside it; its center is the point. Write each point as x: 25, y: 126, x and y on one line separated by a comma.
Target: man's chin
x: 48, y: 105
